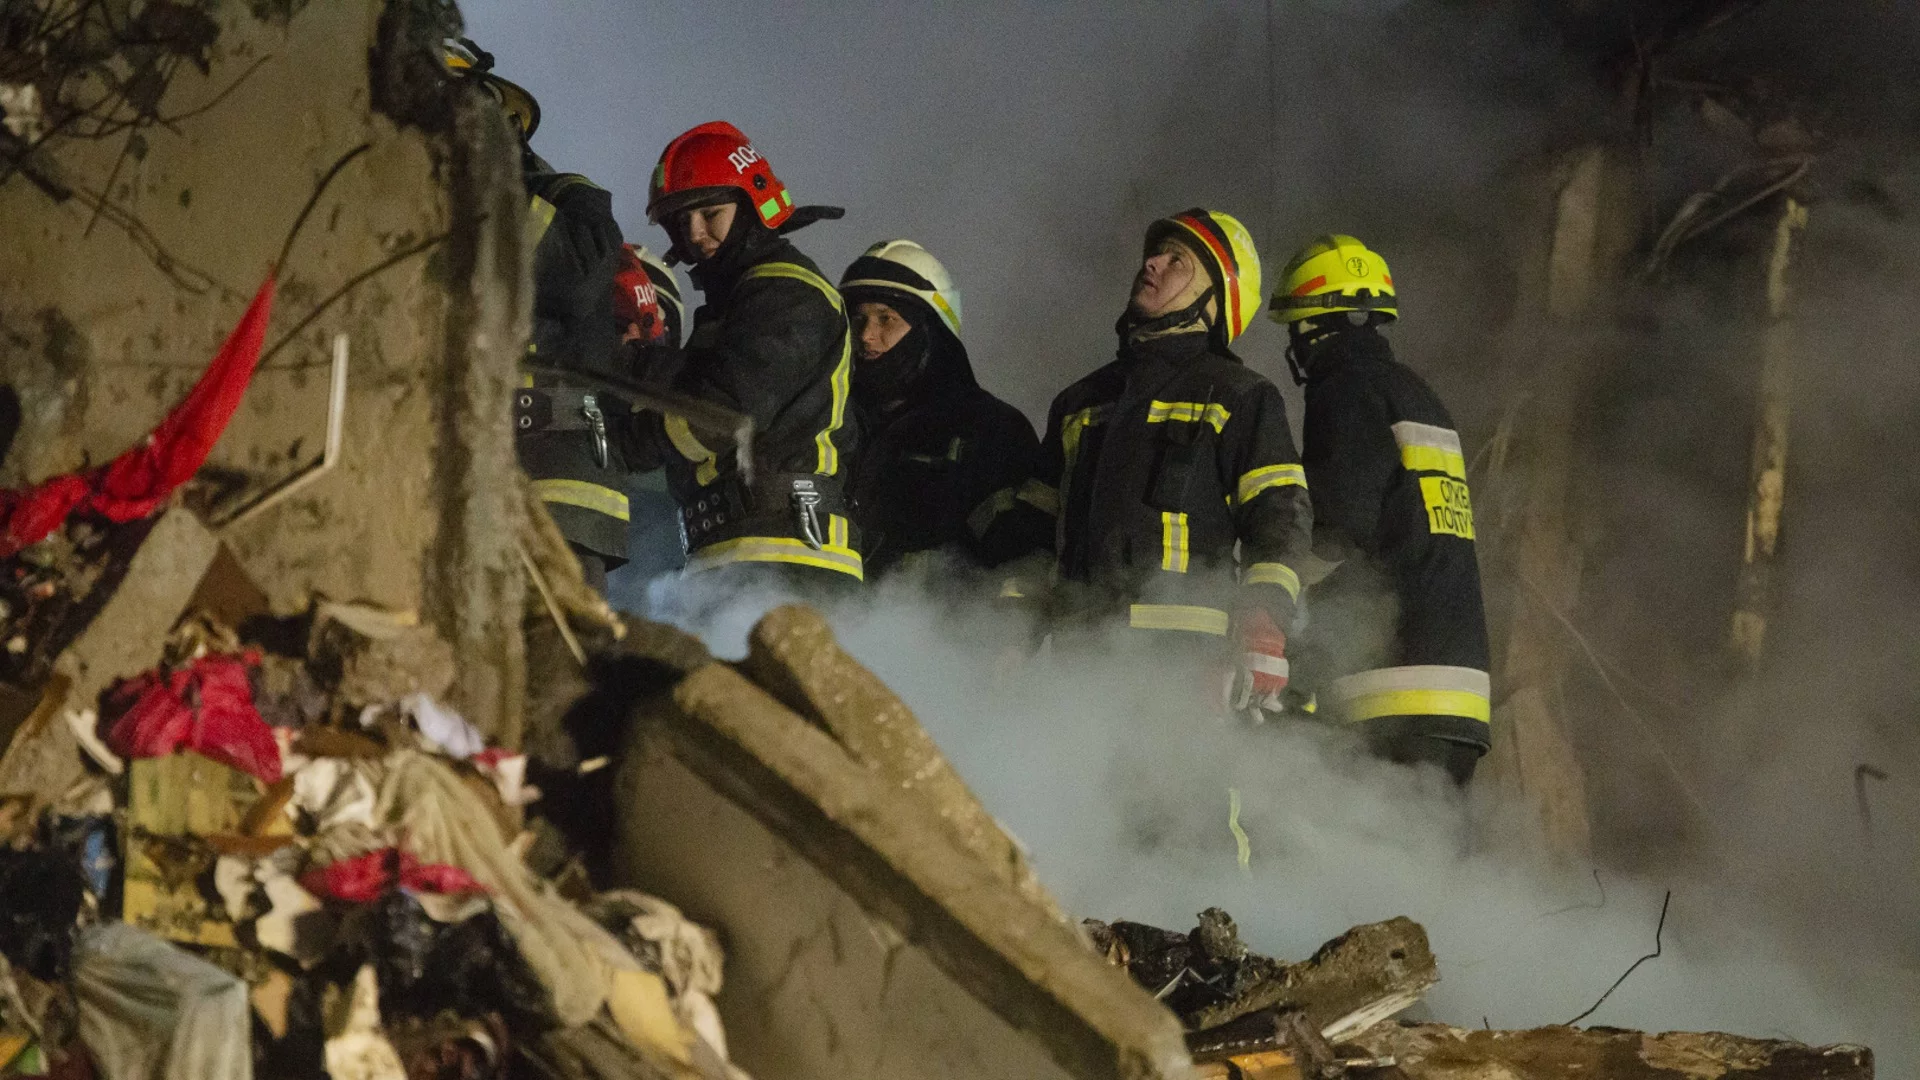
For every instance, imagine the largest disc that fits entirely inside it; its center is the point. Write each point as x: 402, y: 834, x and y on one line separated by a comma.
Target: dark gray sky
x: 1028, y: 145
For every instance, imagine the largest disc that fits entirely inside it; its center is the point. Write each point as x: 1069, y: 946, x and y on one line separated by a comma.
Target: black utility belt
x: 805, y: 502
x: 560, y: 408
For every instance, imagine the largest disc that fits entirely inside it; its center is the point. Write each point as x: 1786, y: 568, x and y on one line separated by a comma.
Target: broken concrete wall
x: 864, y: 938
x: 106, y: 319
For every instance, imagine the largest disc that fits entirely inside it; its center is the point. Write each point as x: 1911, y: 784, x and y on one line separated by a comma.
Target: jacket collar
x: 1343, y: 347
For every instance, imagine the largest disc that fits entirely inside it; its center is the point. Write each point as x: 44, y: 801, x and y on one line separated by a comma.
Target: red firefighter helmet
x: 712, y: 159
x: 646, y: 297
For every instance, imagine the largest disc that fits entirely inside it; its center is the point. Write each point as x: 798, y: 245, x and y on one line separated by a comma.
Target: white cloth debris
x: 150, y: 1011
x: 443, y: 727
x: 85, y: 724
x: 336, y: 791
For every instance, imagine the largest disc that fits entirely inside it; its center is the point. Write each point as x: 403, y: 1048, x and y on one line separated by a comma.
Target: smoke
x: 1104, y: 764
x: 1027, y: 145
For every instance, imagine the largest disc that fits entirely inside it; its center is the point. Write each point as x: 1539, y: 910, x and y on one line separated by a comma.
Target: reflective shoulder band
x: 796, y: 272
x: 1430, y: 448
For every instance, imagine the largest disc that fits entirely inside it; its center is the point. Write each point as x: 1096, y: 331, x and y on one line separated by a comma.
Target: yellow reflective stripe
x: 594, y: 497
x: 1011, y: 589
x: 842, y: 383
x: 1072, y: 427
x: 1418, y: 690
x: 842, y: 380
x: 797, y: 273
x: 1255, y: 481
x: 1199, y: 620
x: 837, y: 532
x: 1160, y: 412
x: 1173, y: 542
x: 539, y: 219
x: 681, y: 435
x: 777, y: 549
x: 526, y: 382
x: 989, y: 511
x: 1418, y: 703
x: 1273, y: 573
x: 1041, y: 497
x: 1430, y: 448
x: 707, y: 463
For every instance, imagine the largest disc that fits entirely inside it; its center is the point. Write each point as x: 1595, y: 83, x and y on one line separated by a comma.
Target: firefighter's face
x: 877, y: 328
x: 703, y: 229
x: 1171, y: 277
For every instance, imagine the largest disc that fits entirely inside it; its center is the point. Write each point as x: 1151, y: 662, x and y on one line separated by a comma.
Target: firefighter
x: 770, y: 341
x: 564, y: 435
x: 936, y: 448
x: 1161, y: 465
x: 1400, y: 620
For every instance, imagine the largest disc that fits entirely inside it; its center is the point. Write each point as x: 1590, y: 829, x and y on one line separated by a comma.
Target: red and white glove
x: 1261, y: 674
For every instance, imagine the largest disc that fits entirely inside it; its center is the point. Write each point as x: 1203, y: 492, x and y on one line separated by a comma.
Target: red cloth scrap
x: 206, y: 707
x: 362, y: 879
x: 137, y: 482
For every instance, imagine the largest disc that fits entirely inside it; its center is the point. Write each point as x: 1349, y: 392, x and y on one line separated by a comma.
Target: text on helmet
x: 742, y: 158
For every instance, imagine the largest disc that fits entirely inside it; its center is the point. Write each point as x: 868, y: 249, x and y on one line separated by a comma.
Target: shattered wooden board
x: 1439, y: 1052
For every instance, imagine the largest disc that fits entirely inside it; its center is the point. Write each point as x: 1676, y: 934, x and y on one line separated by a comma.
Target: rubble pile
x: 272, y: 849
x: 1250, y: 1017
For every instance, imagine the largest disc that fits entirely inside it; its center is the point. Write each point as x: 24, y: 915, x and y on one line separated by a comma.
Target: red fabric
x: 363, y: 878
x: 717, y: 155
x: 1259, y: 637
x: 134, y: 484
x: 206, y: 707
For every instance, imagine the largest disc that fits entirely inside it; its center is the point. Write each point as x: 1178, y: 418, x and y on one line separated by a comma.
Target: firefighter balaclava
x: 1227, y: 251
x: 1335, y: 284
x: 904, y: 276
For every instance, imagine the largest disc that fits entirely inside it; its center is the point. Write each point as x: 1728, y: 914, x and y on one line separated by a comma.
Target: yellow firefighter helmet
x: 467, y: 60
x: 1228, y: 248
x: 1334, y: 273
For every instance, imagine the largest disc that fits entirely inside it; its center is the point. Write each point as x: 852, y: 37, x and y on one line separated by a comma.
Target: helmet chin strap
x: 1173, y: 321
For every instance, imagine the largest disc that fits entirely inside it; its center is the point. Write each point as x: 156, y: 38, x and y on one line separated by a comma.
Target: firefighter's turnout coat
x: 1390, y: 501
x: 1155, y: 471
x: 771, y: 341
x: 938, y: 469
x: 577, y: 469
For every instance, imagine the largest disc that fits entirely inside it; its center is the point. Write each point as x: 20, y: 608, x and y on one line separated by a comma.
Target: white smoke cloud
x: 1106, y: 766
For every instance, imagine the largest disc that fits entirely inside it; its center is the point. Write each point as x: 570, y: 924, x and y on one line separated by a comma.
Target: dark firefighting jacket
x: 936, y: 469
x: 1154, y: 470
x: 577, y: 469
x: 1391, y: 505
x: 770, y: 341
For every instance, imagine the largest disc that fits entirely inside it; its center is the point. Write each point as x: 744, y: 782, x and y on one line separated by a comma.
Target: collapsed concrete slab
x: 864, y: 939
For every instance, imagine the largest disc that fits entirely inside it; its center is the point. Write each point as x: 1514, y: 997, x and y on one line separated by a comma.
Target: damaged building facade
x: 310, y: 765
